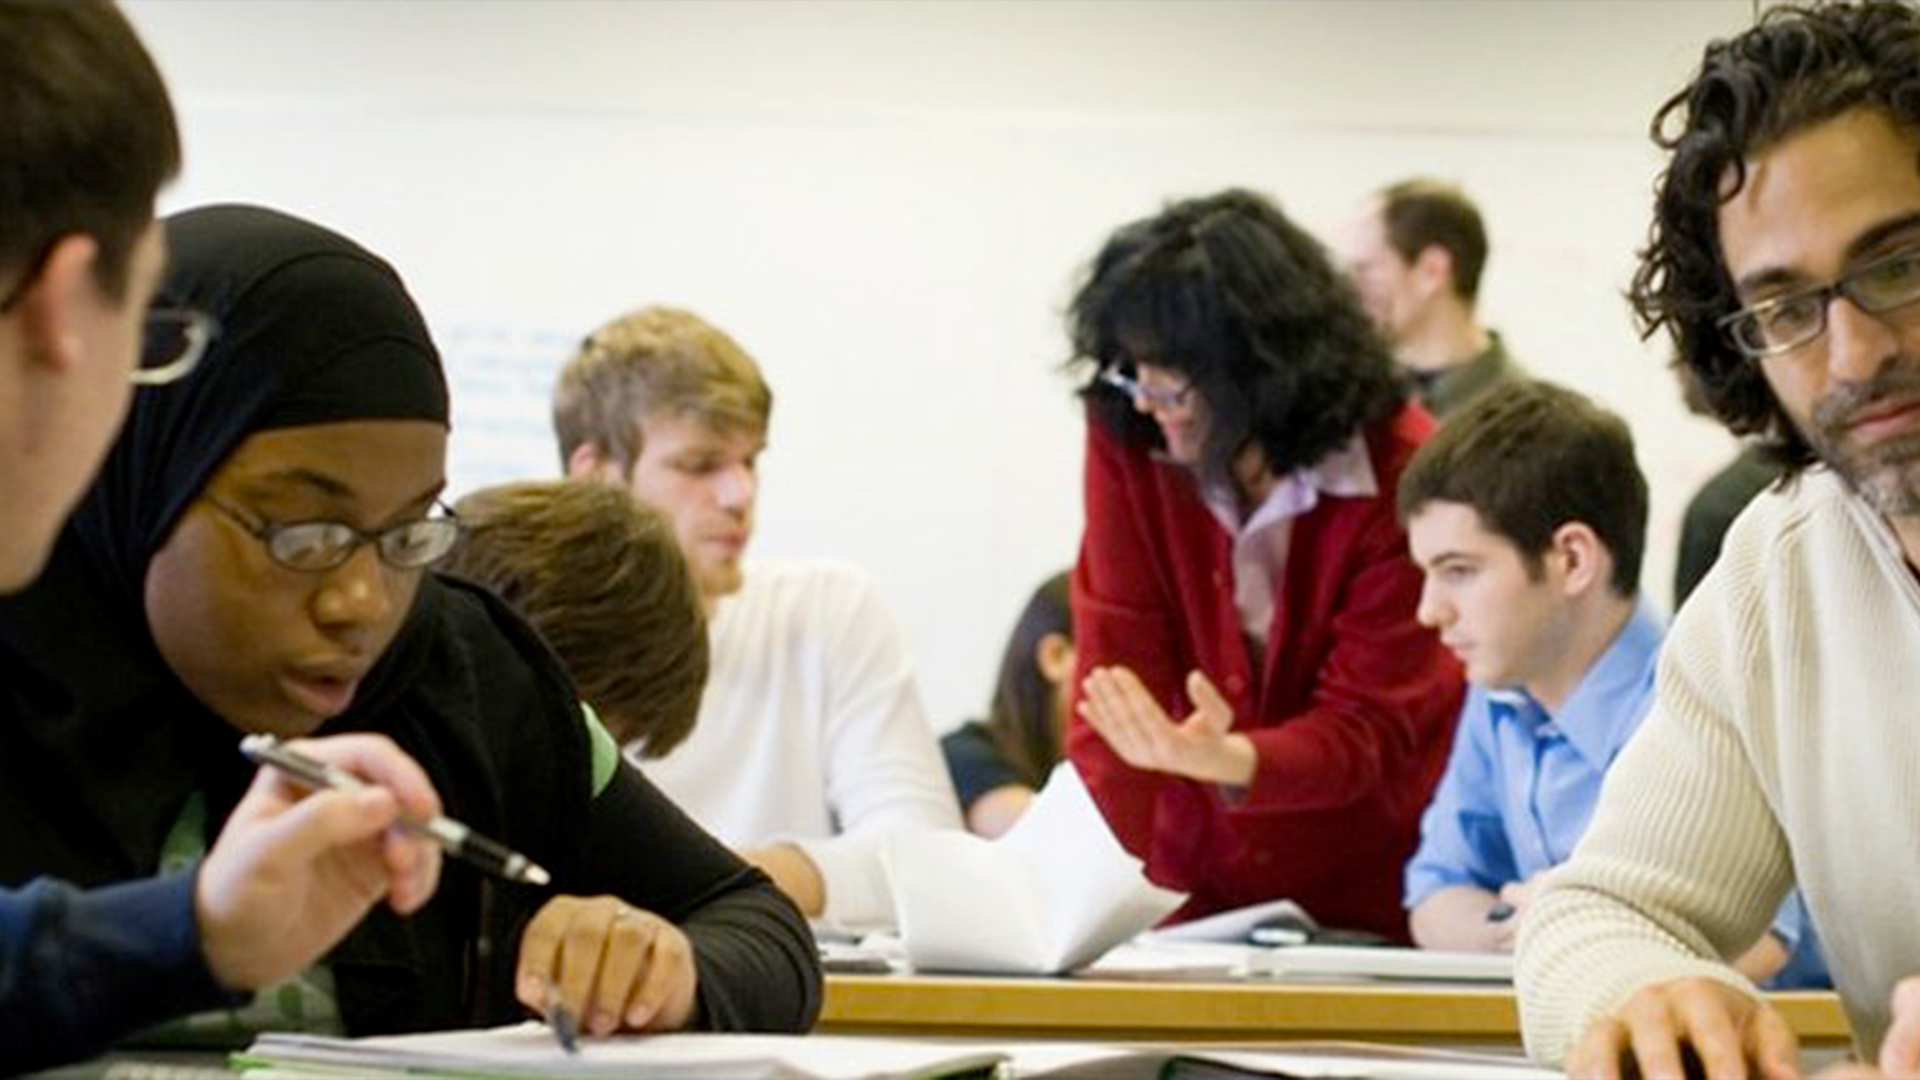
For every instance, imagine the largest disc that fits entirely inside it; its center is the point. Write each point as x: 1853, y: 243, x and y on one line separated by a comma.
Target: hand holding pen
x: 424, y: 820
x: 454, y: 838
x: 292, y: 872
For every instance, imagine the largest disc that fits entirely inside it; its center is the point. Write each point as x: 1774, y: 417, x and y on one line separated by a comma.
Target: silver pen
x: 454, y: 838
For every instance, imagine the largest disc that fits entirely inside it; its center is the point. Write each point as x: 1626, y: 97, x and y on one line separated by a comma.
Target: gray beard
x: 1888, y: 479
x: 1886, y: 475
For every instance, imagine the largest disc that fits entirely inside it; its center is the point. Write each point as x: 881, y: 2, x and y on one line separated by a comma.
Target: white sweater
x: 811, y: 730
x: 1783, y: 744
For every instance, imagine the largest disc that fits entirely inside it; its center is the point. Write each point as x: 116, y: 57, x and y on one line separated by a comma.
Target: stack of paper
x: 1370, y: 962
x: 530, y: 1051
x: 1052, y: 894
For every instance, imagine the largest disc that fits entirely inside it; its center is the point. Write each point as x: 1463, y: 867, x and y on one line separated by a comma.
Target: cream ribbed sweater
x: 1783, y: 744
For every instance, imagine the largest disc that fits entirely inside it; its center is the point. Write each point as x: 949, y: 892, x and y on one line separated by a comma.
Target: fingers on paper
x: 615, y: 965
x: 1661, y: 1026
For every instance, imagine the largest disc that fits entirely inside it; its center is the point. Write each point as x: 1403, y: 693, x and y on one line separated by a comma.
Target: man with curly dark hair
x: 1258, y: 713
x: 1784, y: 262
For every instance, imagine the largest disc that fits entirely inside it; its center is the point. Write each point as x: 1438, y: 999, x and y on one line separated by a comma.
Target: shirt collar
x: 1345, y: 472
x: 1612, y: 696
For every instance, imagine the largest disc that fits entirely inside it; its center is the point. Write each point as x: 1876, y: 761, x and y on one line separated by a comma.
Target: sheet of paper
x: 1052, y: 894
x: 1117, y: 1061
x: 1363, y: 962
x: 1232, y: 925
x: 529, y: 1050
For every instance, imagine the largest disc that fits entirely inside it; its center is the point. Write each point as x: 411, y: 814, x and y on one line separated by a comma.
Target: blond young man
x: 812, y: 746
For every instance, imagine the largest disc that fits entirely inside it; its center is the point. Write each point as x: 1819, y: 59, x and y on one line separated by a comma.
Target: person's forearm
x: 1764, y: 960
x: 79, y: 969
x: 758, y: 963
x: 794, y: 873
x: 994, y: 812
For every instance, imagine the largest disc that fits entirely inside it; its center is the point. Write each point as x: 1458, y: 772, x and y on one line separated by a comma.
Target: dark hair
x: 1796, y: 68
x: 1245, y: 304
x: 1020, y: 720
x: 1419, y: 213
x: 600, y: 576
x: 1530, y: 457
x: 88, y: 140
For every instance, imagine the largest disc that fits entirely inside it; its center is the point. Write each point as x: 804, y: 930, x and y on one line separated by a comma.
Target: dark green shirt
x: 1448, y: 390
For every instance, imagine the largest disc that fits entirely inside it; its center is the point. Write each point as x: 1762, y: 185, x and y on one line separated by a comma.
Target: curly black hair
x: 1796, y: 68
x: 1244, y: 303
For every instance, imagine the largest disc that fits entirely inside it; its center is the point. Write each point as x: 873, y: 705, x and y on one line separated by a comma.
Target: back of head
x: 88, y: 139
x: 1419, y: 213
x: 1531, y: 457
x: 1021, y: 718
x: 1244, y: 303
x: 661, y: 360
x: 1798, y: 67
x: 599, y: 575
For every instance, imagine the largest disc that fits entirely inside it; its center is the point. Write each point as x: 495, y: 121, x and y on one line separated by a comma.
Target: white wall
x: 887, y: 203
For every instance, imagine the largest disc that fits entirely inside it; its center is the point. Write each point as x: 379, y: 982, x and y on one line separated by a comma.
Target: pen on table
x: 1501, y: 911
x: 565, y: 1027
x: 454, y: 838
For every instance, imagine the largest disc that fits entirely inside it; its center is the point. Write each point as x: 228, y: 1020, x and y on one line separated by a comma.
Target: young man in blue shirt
x: 1527, y: 514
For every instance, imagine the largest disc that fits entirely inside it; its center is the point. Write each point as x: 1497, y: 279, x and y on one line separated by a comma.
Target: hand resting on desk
x: 616, y: 965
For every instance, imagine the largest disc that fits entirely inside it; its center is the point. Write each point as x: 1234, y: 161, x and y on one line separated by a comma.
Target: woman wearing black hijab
x: 252, y: 560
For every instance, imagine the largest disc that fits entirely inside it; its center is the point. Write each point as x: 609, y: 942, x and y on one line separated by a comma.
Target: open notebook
x: 529, y: 1050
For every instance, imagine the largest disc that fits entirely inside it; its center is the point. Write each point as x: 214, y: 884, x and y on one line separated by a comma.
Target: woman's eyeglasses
x: 324, y: 545
x: 1154, y: 397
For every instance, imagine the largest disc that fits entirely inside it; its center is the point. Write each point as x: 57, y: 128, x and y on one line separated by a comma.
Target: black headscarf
x: 313, y: 329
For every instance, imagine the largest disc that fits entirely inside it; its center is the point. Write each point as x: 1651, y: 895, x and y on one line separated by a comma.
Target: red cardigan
x: 1351, y: 715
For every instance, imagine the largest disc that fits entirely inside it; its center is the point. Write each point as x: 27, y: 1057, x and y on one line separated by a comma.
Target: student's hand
x: 292, y: 871
x: 1456, y: 918
x: 1732, y: 1033
x: 1203, y: 746
x: 1516, y: 894
x: 616, y: 966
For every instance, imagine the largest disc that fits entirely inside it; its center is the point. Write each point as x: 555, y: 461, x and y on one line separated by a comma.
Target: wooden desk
x: 1151, y: 1011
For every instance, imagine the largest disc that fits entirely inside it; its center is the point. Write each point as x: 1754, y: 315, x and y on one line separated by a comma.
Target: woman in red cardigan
x: 1258, y: 713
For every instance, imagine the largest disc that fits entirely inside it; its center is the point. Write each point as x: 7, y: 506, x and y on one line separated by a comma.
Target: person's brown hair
x: 658, y: 360
x: 599, y: 574
x: 1418, y: 214
x: 1529, y: 458
x: 88, y: 139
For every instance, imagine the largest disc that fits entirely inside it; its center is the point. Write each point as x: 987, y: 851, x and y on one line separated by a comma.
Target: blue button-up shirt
x: 1521, y: 785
